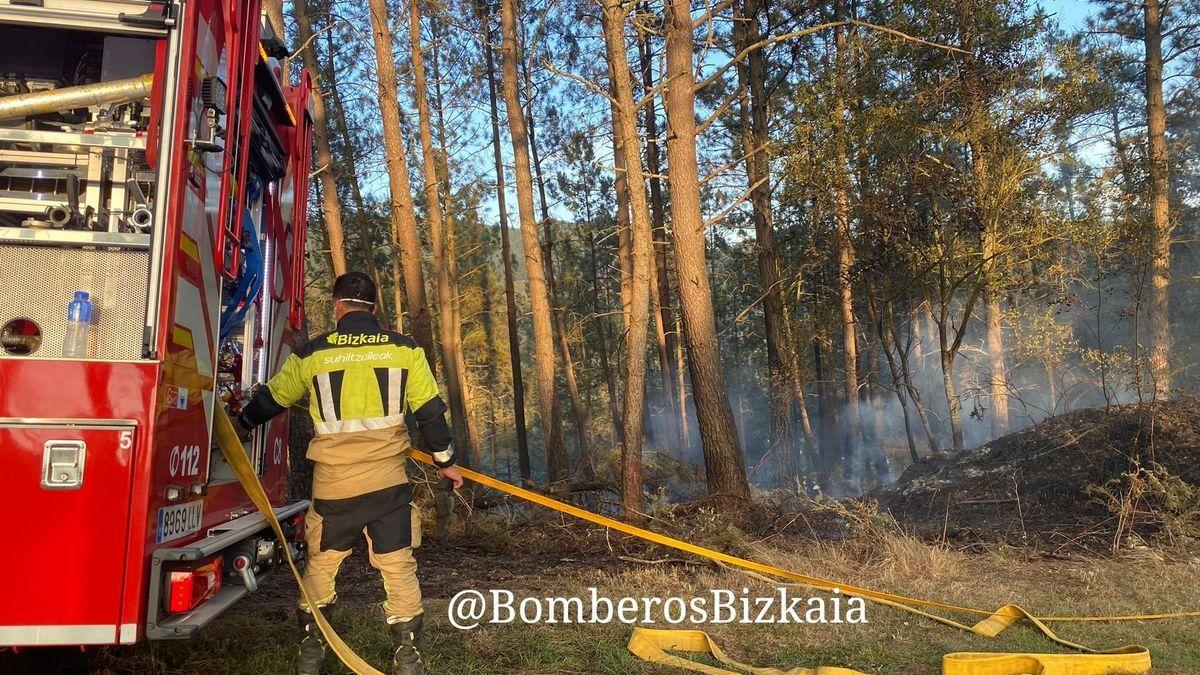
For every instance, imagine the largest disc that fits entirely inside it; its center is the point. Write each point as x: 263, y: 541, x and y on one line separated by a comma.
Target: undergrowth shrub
x: 1153, y: 500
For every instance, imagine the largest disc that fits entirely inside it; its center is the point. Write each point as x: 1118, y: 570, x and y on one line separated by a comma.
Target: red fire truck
x: 155, y: 156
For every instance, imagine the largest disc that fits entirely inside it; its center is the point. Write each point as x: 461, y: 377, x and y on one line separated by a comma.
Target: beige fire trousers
x: 385, y: 516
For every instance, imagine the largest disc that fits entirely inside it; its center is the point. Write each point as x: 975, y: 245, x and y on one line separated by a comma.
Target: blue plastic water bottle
x: 79, y: 327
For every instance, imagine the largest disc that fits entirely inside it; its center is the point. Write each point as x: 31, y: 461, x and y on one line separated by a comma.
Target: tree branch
x: 722, y: 169
x: 816, y: 29
x: 581, y: 80
x: 707, y: 16
x: 725, y: 105
x: 736, y: 203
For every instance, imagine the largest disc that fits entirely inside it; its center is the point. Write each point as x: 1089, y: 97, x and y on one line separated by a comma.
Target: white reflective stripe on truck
x: 82, y: 634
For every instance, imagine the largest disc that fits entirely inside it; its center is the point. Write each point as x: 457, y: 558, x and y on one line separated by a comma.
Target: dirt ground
x: 258, y: 636
x: 952, y: 531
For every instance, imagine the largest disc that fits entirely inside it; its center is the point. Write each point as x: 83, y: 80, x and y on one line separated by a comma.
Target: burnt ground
x: 1097, y: 478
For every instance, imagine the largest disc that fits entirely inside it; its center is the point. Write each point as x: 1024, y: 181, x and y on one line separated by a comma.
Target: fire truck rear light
x: 187, y: 589
x: 299, y: 527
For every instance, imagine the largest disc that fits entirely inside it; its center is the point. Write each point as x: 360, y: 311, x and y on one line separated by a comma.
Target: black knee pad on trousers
x: 385, y: 514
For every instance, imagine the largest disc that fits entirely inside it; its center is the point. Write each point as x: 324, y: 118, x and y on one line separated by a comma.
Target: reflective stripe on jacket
x: 361, y: 380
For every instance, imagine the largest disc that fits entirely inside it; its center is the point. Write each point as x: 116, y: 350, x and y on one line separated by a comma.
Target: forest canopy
x: 677, y: 247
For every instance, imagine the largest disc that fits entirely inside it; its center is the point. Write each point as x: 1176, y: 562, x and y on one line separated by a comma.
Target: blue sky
x: 1071, y: 14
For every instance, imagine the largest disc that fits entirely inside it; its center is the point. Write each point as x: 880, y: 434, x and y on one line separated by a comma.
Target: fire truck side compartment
x: 53, y: 170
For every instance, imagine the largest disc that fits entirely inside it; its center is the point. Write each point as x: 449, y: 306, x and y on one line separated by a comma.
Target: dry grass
x: 873, y: 552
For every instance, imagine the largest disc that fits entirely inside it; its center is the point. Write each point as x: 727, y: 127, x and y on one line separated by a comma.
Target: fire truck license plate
x: 179, y: 520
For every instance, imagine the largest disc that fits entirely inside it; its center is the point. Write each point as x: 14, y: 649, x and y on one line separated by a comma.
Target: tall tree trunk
x: 827, y: 408
x: 621, y: 190
x: 1138, y: 244
x: 1160, y: 220
x: 318, y: 274
x: 578, y: 415
x: 926, y: 318
x: 997, y: 368
x: 491, y: 381
x: 274, y: 10
x: 450, y: 235
x: 539, y: 295
x: 853, y: 445
x: 685, y: 434
x: 956, y: 429
x: 641, y: 244
x: 947, y: 354
x: 784, y: 383
x: 330, y: 205
x: 724, y: 465
x: 510, y: 293
x: 665, y: 366
x: 599, y: 294
x: 359, y: 221
x: 987, y: 203
x: 661, y: 288
x: 404, y: 218
x: 451, y: 343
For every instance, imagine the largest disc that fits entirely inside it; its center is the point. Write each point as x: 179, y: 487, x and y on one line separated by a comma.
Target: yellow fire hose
x: 653, y: 645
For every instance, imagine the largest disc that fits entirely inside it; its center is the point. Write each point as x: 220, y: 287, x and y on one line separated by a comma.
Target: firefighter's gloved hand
x: 244, y: 431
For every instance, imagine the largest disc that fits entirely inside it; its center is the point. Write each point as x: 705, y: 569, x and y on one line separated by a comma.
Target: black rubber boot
x: 406, y: 635
x: 312, y: 645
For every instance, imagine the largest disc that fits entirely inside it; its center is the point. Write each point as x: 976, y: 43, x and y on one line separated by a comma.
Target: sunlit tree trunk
x: 641, y: 244
x: 451, y: 343
x: 510, y: 293
x: 543, y: 331
x: 578, y: 415
x: 997, y: 368
x: 451, y: 237
x: 952, y: 400
x: 987, y: 201
x: 621, y: 190
x: 330, y: 205
x: 274, y: 11
x: 852, y: 448
x: 405, y: 236
x: 724, y: 465
x: 1160, y: 216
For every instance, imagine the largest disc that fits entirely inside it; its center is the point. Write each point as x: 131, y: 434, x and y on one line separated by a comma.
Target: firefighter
x: 361, y: 380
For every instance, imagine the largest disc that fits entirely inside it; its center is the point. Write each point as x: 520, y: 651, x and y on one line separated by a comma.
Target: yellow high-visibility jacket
x: 360, y: 378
